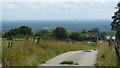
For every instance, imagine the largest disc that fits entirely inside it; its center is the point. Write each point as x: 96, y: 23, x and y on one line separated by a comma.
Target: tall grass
x: 27, y: 53
x: 105, y: 56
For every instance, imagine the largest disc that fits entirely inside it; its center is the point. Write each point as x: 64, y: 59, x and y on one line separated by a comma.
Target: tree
x: 83, y: 37
x: 102, y: 35
x: 94, y: 30
x: 116, y: 22
x: 43, y: 33
x: 75, y: 36
x: 25, y: 30
x: 11, y: 33
x: 83, y: 31
x: 60, y: 33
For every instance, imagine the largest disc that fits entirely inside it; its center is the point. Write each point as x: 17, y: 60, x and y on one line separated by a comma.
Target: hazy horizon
x: 71, y: 26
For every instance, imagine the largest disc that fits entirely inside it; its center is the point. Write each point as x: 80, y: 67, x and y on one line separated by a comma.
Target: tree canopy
x: 23, y: 30
x: 76, y: 36
x: 94, y: 30
x: 42, y: 33
x: 116, y: 22
x: 60, y: 33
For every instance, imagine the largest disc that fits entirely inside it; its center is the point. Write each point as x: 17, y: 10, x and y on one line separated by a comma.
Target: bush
x: 60, y: 33
x: 75, y: 36
x: 43, y: 33
x: 25, y: 30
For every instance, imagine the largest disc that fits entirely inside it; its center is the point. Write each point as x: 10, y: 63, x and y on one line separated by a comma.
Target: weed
x: 87, y: 51
x: 67, y: 62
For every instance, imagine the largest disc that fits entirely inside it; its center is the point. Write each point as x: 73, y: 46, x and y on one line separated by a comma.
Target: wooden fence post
x: 9, y: 44
x: 110, y: 43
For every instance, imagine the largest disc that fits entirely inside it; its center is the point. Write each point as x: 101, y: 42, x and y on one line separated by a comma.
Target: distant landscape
x: 71, y: 26
x: 60, y: 34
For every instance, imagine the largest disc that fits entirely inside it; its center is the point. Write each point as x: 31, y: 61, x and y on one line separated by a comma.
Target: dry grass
x: 105, y: 56
x: 26, y: 53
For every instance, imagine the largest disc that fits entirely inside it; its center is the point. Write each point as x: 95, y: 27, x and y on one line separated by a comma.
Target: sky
x: 57, y: 10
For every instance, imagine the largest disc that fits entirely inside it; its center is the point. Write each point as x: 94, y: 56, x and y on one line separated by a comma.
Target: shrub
x: 60, y: 33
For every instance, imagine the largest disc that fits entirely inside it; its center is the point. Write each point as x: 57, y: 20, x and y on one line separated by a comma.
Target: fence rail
x: 115, y: 45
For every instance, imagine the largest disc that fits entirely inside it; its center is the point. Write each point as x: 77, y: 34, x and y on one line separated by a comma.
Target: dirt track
x: 80, y: 57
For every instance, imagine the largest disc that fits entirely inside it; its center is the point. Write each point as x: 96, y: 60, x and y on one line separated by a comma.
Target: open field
x: 27, y: 53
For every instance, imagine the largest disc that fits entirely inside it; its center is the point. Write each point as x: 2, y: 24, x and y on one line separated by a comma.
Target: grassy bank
x: 105, y: 56
x: 26, y: 53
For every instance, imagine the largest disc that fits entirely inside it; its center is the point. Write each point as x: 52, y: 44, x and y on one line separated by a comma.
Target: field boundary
x: 114, y: 45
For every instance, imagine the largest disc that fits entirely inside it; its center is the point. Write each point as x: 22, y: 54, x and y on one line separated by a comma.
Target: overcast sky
x: 57, y: 10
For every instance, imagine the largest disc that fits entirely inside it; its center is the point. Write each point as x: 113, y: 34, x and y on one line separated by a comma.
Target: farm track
x: 81, y: 57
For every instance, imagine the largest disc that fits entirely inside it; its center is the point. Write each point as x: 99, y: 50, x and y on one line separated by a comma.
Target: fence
x: 115, y: 45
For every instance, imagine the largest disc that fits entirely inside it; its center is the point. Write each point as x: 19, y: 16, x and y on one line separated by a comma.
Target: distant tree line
x: 59, y: 33
x: 23, y: 31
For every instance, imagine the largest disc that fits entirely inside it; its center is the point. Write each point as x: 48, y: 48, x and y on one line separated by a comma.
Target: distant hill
x: 71, y: 26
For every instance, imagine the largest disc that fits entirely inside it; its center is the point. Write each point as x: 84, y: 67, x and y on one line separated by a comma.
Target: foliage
x: 43, y: 33
x: 83, y: 37
x: 87, y: 51
x: 94, y: 30
x: 83, y: 31
x: 11, y: 33
x: 60, y: 33
x: 23, y: 31
x: 116, y: 22
x: 67, y: 62
x: 102, y: 35
x: 76, y: 36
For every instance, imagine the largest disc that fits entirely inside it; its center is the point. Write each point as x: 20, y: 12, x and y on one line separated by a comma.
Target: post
x: 117, y: 52
x: 9, y: 44
x: 110, y: 43
x: 37, y: 39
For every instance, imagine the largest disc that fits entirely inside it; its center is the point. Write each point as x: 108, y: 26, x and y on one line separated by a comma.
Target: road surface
x: 81, y: 57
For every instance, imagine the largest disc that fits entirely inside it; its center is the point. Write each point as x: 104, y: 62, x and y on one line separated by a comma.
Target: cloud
x: 59, y: 0
x: 58, y: 10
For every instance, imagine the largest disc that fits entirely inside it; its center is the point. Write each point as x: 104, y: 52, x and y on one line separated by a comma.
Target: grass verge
x: 105, y: 56
x: 27, y: 53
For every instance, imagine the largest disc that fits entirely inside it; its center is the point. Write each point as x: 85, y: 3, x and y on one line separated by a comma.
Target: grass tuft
x: 87, y: 51
x: 69, y: 62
